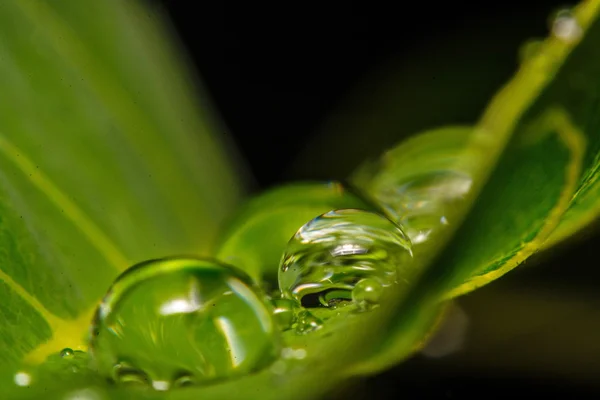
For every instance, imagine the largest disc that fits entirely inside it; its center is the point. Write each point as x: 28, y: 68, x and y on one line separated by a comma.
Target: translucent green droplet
x: 125, y: 374
x: 329, y: 255
x: 422, y: 181
x: 67, y: 353
x: 185, y: 380
x: 284, y: 311
x: 367, y: 293
x: 306, y: 322
x: 166, y: 316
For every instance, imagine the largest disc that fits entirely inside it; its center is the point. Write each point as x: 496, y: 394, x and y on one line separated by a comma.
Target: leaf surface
x: 106, y: 159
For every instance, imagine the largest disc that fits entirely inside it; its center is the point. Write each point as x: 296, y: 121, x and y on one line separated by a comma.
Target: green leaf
x: 553, y: 148
x: 545, y: 145
x: 106, y: 159
x: 584, y: 208
x: 522, y: 137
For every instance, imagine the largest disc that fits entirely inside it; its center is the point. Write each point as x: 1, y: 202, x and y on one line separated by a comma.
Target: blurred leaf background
x: 310, y: 91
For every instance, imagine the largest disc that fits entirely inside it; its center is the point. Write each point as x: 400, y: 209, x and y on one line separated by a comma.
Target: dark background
x: 276, y: 73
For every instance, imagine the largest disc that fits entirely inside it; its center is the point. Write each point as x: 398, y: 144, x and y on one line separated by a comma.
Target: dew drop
x: 330, y: 254
x: 450, y: 335
x: 184, y: 380
x: 67, y: 353
x: 290, y: 353
x: 284, y: 311
x: 164, y: 316
x: 367, y: 293
x: 125, y: 374
x: 421, y: 198
x: 565, y: 27
x: 85, y: 394
x: 22, y: 378
x: 306, y: 322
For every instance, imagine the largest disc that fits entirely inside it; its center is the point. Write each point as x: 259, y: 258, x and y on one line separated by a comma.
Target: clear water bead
x: 367, y: 293
x: 423, y: 181
x: 67, y: 353
x: 331, y: 254
x: 564, y: 26
x: 284, y: 311
x: 174, y: 322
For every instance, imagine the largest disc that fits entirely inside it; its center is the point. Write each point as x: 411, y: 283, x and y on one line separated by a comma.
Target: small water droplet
x: 85, y: 394
x: 306, y: 322
x: 22, y: 378
x: 160, y: 385
x: 289, y: 353
x: 284, y: 311
x: 125, y: 374
x: 184, y: 380
x: 279, y: 367
x: 565, y: 27
x: 67, y: 353
x: 367, y: 293
x: 450, y: 335
x: 166, y: 315
x: 329, y: 255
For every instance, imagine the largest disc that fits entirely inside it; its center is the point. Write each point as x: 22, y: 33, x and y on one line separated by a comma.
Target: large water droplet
x: 332, y: 253
x: 178, y: 320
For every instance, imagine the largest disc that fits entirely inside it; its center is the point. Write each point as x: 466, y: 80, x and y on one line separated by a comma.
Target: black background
x: 275, y: 71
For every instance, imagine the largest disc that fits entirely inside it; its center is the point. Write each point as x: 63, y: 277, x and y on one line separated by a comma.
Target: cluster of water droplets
x: 176, y: 322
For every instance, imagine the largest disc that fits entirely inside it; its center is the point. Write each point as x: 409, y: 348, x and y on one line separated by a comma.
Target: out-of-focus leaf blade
x: 106, y: 159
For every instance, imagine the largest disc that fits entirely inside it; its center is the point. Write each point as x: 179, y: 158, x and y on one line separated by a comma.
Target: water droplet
x: 330, y: 254
x: 423, y: 196
x: 367, y: 293
x: 164, y: 316
x: 22, y: 378
x: 306, y: 322
x: 289, y: 353
x: 67, y: 353
x: 85, y: 394
x: 279, y: 367
x: 125, y: 374
x: 184, y: 380
x: 284, y: 311
x: 564, y: 26
x: 450, y: 335
x: 160, y: 385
